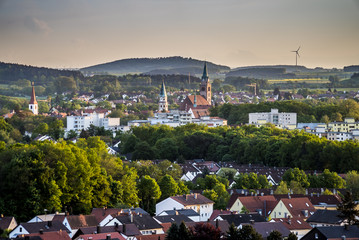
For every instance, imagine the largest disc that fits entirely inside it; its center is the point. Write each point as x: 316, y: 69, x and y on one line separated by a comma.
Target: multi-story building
x: 98, y: 118
x: 283, y: 120
x: 346, y: 126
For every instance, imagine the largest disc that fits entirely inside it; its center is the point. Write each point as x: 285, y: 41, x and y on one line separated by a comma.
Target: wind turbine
x: 296, y: 56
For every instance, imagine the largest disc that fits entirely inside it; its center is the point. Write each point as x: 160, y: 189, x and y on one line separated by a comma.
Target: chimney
x: 41, y: 231
x: 195, y: 196
x: 251, y: 221
x: 346, y: 226
x: 108, y: 237
x: 49, y: 223
x: 98, y: 229
x: 217, y: 224
x: 131, y: 217
x: 289, y: 220
x: 124, y: 228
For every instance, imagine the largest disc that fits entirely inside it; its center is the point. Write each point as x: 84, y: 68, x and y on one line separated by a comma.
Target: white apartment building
x: 84, y: 121
x: 284, y: 120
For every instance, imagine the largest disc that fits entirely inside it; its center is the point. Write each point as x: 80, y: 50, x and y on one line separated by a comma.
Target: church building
x: 33, y: 106
x: 199, y: 104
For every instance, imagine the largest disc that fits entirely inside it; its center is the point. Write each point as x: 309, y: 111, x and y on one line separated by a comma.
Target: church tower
x: 33, y: 106
x: 162, y: 103
x: 205, y: 87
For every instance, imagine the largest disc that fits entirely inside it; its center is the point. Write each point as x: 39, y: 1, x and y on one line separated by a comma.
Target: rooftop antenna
x: 296, y: 56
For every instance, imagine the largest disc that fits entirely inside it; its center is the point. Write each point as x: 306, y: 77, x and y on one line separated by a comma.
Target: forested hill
x: 9, y: 73
x: 166, y: 65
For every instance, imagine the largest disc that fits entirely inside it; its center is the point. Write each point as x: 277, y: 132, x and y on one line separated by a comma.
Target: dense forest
x: 247, y: 144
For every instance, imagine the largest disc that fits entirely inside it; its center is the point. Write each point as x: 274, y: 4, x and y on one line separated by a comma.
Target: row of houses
x: 285, y: 214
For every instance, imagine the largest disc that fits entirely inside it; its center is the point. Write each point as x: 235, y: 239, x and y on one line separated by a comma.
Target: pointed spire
x: 163, y: 92
x: 205, y: 73
x: 33, y: 96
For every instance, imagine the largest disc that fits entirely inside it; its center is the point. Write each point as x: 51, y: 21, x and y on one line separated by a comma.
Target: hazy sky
x: 79, y: 33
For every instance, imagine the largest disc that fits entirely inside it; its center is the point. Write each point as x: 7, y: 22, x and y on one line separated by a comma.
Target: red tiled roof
x: 189, y: 103
x: 151, y: 237
x: 294, y: 223
x: 60, y: 235
x: 102, y: 236
x: 296, y: 206
x: 101, y: 213
x: 252, y: 203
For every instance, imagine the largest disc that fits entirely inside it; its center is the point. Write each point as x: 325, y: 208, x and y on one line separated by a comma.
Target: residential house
x: 293, y: 207
x: 190, y: 213
x: 7, y: 223
x: 254, y: 204
x: 265, y: 228
x: 333, y: 233
x: 197, y: 202
x: 172, y: 219
x: 145, y: 223
x: 296, y: 225
x: 59, y: 235
x: 190, y: 171
x: 238, y: 219
x: 324, y: 217
x: 101, y: 236
x: 38, y: 227
x: 128, y: 231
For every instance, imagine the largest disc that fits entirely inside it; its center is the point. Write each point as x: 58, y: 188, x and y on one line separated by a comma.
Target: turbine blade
x: 298, y: 49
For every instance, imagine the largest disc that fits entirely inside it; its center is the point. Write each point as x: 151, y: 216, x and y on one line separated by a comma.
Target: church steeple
x: 205, y: 87
x: 162, y: 103
x: 33, y: 106
x: 205, y: 73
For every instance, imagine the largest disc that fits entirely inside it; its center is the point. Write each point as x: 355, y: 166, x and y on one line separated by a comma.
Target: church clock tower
x: 205, y: 87
x: 162, y: 103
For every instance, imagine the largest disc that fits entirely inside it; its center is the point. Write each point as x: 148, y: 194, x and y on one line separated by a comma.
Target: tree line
x: 307, y: 111
x: 77, y: 177
x: 266, y: 145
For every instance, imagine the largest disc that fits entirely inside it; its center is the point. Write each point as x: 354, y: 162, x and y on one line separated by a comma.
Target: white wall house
x: 287, y: 120
x: 197, y: 202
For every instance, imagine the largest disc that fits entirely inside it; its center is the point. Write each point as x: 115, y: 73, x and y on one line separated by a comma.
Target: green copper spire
x: 163, y: 90
x: 205, y: 73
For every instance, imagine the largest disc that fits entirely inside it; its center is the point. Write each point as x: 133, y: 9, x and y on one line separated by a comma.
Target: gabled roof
x: 336, y: 232
x: 50, y: 226
x: 192, y: 199
x: 188, y: 103
x: 152, y: 237
x: 238, y: 219
x: 103, y: 236
x: 172, y: 219
x: 216, y: 213
x: 296, y: 206
x: 77, y: 221
x: 186, y: 212
x: 60, y: 235
x: 324, y: 199
x: 265, y: 228
x: 101, y: 213
x: 5, y: 222
x: 142, y: 222
x: 294, y: 223
x: 222, y: 225
x: 130, y: 230
x: 253, y: 203
x: 325, y: 216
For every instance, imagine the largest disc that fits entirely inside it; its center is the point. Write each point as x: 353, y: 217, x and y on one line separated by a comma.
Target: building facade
x: 284, y: 120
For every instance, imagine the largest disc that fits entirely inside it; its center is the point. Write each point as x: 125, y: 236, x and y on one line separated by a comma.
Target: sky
x: 80, y: 33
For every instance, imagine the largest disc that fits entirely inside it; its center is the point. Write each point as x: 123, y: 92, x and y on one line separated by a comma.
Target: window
x: 20, y: 229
